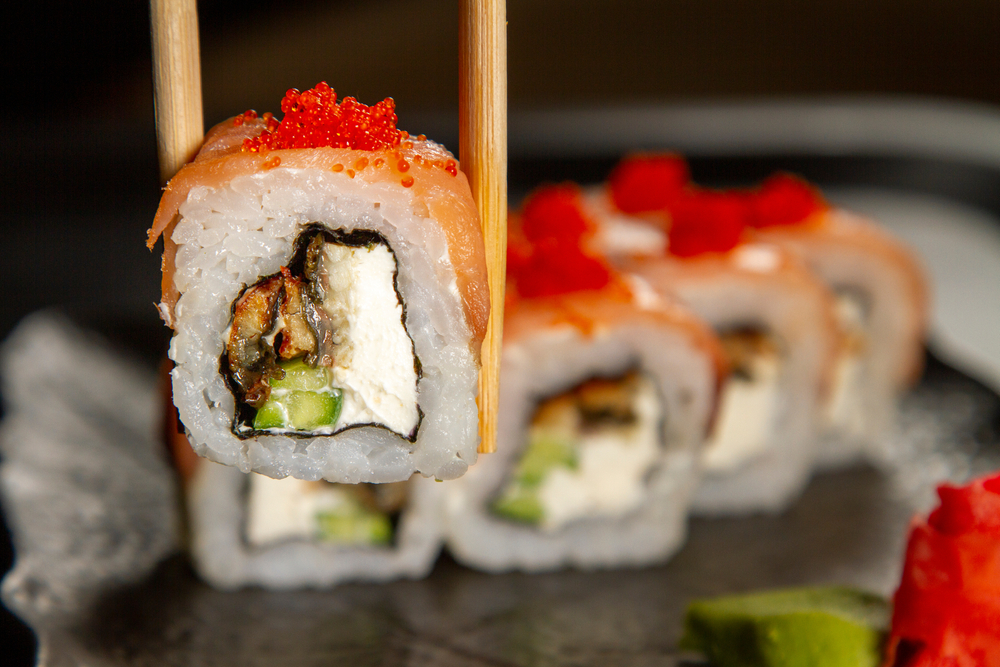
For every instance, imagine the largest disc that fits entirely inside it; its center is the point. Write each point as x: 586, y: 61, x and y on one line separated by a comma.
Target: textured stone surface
x: 86, y: 489
x: 849, y: 527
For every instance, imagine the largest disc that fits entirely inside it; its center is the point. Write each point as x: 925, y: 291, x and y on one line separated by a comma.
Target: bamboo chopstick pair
x: 482, y: 140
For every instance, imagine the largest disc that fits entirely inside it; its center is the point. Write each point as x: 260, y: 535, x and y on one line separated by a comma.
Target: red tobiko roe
x: 314, y: 119
x: 552, y: 270
x: 518, y: 248
x: 644, y: 183
x: 783, y: 199
x: 554, y: 211
x: 706, y: 221
x: 544, y: 257
x: 947, y: 608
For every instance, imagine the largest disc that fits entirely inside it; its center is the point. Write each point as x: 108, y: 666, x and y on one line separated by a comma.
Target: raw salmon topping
x: 314, y: 119
x: 544, y: 255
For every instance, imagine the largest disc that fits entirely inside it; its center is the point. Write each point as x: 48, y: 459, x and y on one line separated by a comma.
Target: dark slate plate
x: 88, y: 582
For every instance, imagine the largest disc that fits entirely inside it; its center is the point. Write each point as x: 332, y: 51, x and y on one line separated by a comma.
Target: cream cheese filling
x: 845, y: 408
x: 288, y: 509
x: 747, y: 406
x: 373, y: 358
x: 279, y: 510
x: 588, y: 454
x: 609, y: 480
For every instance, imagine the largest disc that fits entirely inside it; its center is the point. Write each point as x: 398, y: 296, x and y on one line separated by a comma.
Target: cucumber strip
x: 302, y: 400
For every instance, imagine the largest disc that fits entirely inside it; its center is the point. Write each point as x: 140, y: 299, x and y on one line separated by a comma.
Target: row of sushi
x: 667, y: 349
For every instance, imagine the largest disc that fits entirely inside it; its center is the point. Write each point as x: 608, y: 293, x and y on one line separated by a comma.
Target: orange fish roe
x: 544, y: 254
x: 706, y: 221
x: 784, y: 199
x: 272, y: 162
x: 451, y: 167
x: 406, y: 181
x: 315, y: 119
x: 648, y: 182
x: 249, y: 114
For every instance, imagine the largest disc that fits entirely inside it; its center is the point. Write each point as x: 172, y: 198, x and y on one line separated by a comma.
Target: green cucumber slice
x: 519, y: 500
x: 270, y: 415
x: 353, y: 527
x: 543, y: 454
x: 308, y: 410
x: 301, y: 376
x: 302, y: 400
x: 523, y: 507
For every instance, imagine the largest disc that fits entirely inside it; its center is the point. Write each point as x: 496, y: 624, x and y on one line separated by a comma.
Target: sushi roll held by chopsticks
x: 326, y: 283
x: 607, y: 393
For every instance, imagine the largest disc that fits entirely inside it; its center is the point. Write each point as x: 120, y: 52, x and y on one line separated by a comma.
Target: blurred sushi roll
x: 248, y: 529
x: 775, y: 319
x: 607, y: 392
x: 326, y: 283
x: 882, y: 309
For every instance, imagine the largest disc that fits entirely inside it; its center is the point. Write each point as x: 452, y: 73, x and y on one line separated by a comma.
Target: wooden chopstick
x: 180, y: 124
x: 483, y: 151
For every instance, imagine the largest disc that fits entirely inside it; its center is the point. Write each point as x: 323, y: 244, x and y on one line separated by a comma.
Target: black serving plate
x: 848, y: 527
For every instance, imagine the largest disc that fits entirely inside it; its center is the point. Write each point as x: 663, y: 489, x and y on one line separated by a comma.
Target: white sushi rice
x: 546, y: 364
x: 231, y: 236
x: 373, y: 360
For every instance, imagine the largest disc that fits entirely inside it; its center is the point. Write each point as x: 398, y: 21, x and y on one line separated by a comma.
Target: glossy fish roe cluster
x: 706, y: 221
x: 315, y: 119
x: 644, y: 183
x: 783, y: 199
x: 698, y: 220
x: 545, y: 256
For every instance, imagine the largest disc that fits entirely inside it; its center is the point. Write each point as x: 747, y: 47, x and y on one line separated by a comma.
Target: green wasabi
x: 805, y: 627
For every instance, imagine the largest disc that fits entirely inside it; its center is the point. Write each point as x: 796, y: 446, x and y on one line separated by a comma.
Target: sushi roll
x: 607, y: 391
x: 326, y: 283
x: 775, y: 319
x: 248, y: 529
x: 882, y: 309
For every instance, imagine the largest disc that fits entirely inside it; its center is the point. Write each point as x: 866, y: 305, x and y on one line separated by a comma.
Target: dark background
x: 78, y: 144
